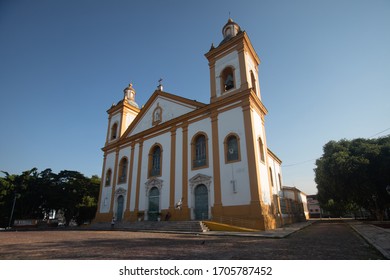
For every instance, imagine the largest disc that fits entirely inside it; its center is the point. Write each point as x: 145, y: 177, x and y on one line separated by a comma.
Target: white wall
x: 230, y: 59
x: 232, y: 122
x: 262, y: 167
x: 165, y: 141
x: 105, y: 200
x: 251, y: 66
x: 203, y: 125
x: 276, y: 170
x: 170, y: 110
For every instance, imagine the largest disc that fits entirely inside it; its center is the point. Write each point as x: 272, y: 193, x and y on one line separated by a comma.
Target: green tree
x: 353, y: 174
x: 39, y: 193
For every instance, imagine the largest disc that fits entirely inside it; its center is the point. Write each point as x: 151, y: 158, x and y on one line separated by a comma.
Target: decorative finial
x: 160, y: 86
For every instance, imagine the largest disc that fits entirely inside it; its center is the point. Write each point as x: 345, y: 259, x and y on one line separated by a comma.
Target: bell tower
x: 121, y: 115
x: 233, y: 64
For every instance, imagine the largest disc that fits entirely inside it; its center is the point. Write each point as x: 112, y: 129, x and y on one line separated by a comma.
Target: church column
x: 217, y: 209
x: 213, y: 88
x: 114, y: 182
x: 102, y: 184
x: 172, y: 171
x: 129, y: 183
x: 138, y: 185
x: 243, y: 73
x: 184, y: 212
x: 255, y: 187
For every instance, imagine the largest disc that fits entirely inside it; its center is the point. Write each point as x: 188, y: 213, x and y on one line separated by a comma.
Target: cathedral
x: 180, y: 159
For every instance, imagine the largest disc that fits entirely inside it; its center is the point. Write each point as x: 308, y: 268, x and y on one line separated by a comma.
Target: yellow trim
x: 184, y: 210
x: 274, y: 157
x: 130, y: 181
x: 101, y: 184
x: 251, y: 155
x: 138, y: 185
x: 172, y: 170
x: 214, y: 226
x: 243, y: 73
x: 216, y: 164
x: 114, y: 183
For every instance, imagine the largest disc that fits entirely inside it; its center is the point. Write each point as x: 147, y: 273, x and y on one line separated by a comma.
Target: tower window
x: 232, y: 148
x: 227, y: 78
x: 155, y: 160
x: 122, y: 177
x: 108, y: 178
x: 199, y: 151
x: 253, y: 80
x: 261, y: 146
x: 271, y: 177
x: 114, y: 131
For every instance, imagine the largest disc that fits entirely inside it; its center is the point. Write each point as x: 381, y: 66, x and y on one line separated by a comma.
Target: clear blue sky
x: 324, y: 75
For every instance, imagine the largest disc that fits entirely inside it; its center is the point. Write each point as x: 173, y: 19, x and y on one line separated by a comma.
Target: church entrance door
x: 119, y: 208
x: 201, y: 203
x: 154, y: 204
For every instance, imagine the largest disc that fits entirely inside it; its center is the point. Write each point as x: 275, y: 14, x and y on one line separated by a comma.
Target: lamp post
x: 13, y: 208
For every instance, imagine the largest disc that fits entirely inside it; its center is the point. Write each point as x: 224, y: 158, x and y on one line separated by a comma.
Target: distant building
x: 293, y: 204
x: 189, y: 160
x: 314, y: 207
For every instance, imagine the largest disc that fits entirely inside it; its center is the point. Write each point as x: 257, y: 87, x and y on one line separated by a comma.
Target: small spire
x: 160, y: 86
x: 129, y: 95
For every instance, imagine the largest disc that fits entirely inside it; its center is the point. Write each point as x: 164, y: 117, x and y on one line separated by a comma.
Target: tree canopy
x: 353, y: 174
x: 38, y: 193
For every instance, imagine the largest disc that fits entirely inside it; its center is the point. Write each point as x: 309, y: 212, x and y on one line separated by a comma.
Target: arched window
x: 199, y: 151
x: 227, y: 78
x: 271, y: 177
x: 114, y: 131
x: 108, y: 178
x: 253, y: 80
x: 232, y: 148
x: 261, y: 147
x: 155, y: 160
x: 122, y: 176
x: 280, y: 180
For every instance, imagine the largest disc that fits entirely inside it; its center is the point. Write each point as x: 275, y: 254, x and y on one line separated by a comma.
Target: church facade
x: 180, y: 159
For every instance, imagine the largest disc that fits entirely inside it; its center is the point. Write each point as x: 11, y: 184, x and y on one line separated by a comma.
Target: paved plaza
x: 318, y: 241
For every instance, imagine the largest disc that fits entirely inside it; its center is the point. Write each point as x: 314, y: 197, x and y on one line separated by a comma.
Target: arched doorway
x: 154, y: 204
x: 201, y: 202
x: 119, y: 208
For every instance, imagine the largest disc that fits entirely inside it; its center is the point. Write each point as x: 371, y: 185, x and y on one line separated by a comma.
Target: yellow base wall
x: 253, y: 216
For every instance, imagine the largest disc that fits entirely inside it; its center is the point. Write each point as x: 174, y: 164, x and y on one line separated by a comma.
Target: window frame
x: 108, y: 178
x: 123, y: 169
x: 224, y: 74
x: 226, y: 148
x: 194, y: 152
x: 151, y: 161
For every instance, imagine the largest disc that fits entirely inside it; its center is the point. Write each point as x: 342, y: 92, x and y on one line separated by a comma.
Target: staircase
x: 173, y: 226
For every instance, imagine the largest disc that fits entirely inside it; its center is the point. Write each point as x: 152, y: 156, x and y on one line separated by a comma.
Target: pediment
x: 200, y: 179
x: 161, y: 107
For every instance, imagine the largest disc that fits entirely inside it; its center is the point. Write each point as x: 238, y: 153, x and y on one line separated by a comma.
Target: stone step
x: 182, y: 226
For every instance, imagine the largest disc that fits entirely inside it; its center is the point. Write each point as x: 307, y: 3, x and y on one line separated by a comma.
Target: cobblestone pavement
x: 319, y: 241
